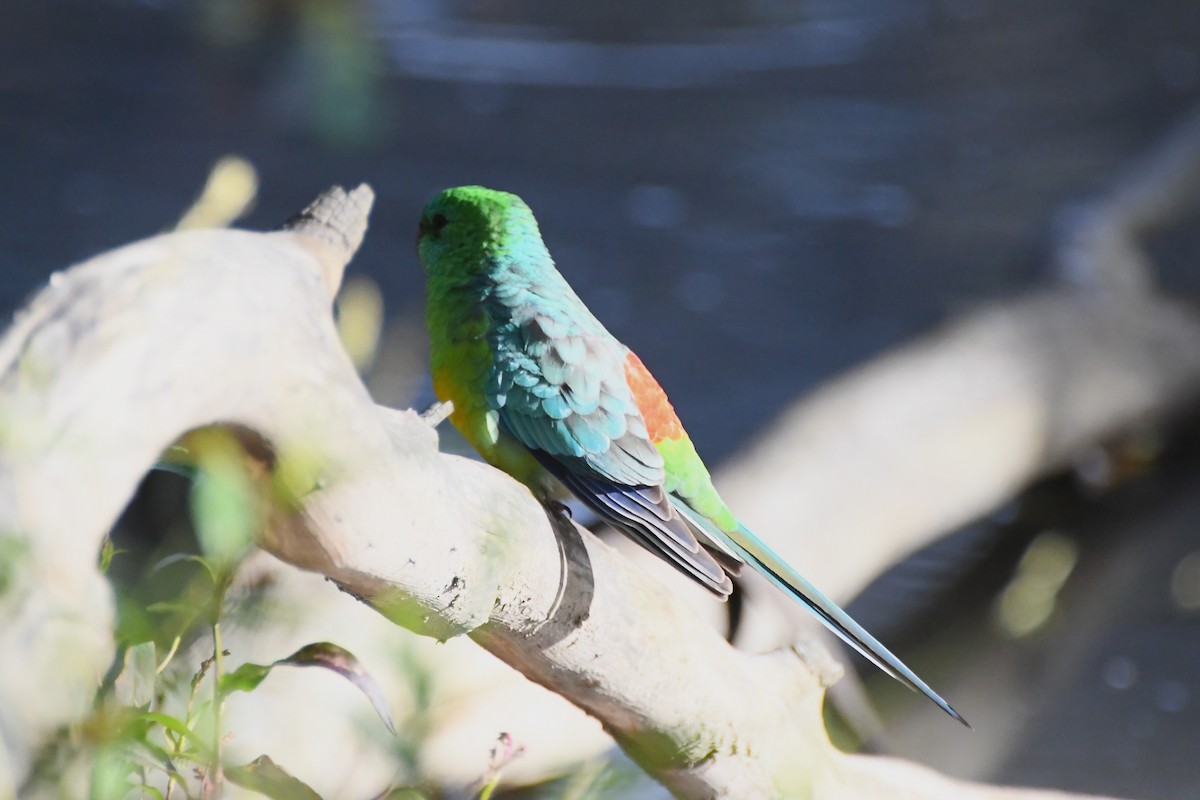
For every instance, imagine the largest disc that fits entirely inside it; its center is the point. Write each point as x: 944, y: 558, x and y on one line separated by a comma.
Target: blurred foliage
x: 226, y: 197
x: 360, y: 320
x: 598, y: 780
x: 264, y: 776
x: 342, y: 70
x: 333, y: 70
x: 13, y: 551
x: 157, y: 729
x: 1028, y: 601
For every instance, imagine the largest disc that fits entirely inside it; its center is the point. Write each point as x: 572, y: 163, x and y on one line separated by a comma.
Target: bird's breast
x: 460, y: 377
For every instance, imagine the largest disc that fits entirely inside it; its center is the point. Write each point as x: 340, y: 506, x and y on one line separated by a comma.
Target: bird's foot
x: 559, y: 508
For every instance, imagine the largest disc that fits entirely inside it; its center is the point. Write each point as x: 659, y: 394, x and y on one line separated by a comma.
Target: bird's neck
x: 454, y: 312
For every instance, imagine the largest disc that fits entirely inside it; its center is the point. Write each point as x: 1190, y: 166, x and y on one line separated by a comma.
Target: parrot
x: 543, y: 391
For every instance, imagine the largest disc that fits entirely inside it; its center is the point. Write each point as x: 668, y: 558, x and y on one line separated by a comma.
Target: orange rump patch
x: 661, y: 421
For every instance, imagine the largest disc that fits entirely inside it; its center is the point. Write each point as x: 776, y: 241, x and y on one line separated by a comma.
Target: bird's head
x: 469, y: 229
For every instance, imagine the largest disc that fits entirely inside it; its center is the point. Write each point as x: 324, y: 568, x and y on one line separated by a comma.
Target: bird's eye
x: 432, y: 226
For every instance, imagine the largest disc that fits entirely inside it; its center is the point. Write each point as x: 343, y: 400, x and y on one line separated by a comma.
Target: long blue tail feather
x: 753, y: 551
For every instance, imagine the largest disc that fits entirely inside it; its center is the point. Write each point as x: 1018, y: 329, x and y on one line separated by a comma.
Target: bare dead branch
x: 941, y: 431
x: 1101, y: 246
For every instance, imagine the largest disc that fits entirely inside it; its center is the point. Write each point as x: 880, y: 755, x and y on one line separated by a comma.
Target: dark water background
x: 753, y: 195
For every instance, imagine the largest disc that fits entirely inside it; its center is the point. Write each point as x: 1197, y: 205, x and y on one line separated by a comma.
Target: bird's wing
x: 563, y: 393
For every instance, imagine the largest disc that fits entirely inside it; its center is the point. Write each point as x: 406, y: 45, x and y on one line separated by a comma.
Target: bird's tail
x: 750, y: 548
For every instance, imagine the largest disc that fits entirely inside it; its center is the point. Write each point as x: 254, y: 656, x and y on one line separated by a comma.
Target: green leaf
x: 148, y: 756
x: 110, y: 775
x: 343, y: 662
x: 169, y: 656
x: 136, y: 684
x: 107, y: 551
x: 245, y: 678
x: 177, y: 726
x: 490, y: 788
x: 134, y: 622
x: 180, y: 558
x: 264, y: 776
x: 171, y: 607
x: 14, y: 551
x: 223, y: 506
x: 159, y: 757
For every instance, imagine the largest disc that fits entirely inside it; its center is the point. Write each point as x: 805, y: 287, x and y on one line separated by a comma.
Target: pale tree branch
x: 942, y: 431
x: 123, y: 354
x: 1101, y: 247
